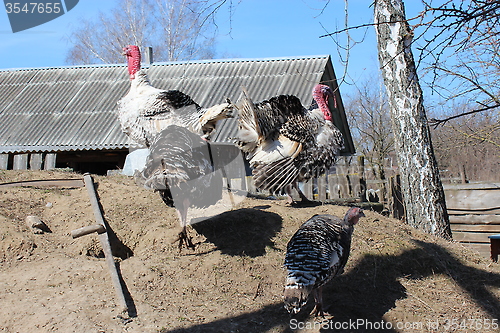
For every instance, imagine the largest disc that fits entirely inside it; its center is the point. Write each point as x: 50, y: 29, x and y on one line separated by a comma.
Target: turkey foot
x: 184, y: 239
x: 304, y: 201
x: 318, y: 311
x: 290, y: 201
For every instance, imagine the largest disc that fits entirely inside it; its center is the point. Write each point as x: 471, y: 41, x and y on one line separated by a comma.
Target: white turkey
x: 316, y: 253
x: 183, y: 168
x: 146, y: 110
x: 287, y: 143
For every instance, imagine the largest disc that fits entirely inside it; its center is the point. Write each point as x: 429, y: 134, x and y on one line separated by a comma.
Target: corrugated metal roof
x: 74, y: 108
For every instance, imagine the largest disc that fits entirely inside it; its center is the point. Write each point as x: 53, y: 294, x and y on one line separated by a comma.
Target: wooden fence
x: 344, y: 181
x: 474, y: 211
x: 344, y: 184
x: 474, y: 208
x: 325, y: 188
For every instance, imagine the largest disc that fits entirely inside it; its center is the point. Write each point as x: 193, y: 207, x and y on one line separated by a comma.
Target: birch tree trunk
x: 423, y: 193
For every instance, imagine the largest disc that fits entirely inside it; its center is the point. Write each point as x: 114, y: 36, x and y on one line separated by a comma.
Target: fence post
x: 322, y: 186
x: 463, y: 175
x: 333, y: 184
x: 362, y: 179
x: 396, y: 197
x: 4, y: 161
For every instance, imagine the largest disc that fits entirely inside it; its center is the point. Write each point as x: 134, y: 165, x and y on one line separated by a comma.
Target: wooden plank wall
x: 4, y: 161
x: 32, y: 161
x: 474, y: 211
x: 20, y: 162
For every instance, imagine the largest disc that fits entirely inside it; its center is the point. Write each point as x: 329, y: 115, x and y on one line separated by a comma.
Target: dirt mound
x: 397, y: 278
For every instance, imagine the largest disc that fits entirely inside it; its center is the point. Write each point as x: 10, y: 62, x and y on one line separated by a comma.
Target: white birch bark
x: 423, y: 193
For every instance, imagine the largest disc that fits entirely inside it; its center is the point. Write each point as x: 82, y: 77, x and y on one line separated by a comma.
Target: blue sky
x: 258, y: 29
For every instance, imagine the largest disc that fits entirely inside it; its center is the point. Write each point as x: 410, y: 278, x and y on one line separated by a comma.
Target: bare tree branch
x: 176, y: 29
x: 436, y: 122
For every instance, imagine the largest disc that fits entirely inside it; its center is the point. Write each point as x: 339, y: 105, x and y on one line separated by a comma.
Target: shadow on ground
x: 367, y: 292
x: 241, y: 232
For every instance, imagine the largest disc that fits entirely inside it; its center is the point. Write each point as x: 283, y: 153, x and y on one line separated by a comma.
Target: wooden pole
x: 104, y: 239
x: 66, y: 183
x: 463, y: 175
x: 88, y: 230
x: 397, y: 207
x: 322, y: 188
x: 362, y: 179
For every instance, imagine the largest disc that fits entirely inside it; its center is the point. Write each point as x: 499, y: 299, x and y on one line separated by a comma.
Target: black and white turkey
x: 287, y: 143
x: 316, y: 253
x: 184, y: 169
x: 145, y: 110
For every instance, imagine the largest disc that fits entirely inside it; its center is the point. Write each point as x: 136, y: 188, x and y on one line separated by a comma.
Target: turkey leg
x: 288, y: 190
x: 303, y: 198
x: 183, y: 238
x: 318, y: 302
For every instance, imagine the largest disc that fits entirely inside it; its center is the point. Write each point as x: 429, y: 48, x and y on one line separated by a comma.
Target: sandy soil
x: 397, y: 279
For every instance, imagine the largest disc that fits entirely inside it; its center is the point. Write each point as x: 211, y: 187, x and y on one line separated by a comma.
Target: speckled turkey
x: 316, y: 253
x: 182, y: 167
x: 287, y: 143
x: 145, y: 110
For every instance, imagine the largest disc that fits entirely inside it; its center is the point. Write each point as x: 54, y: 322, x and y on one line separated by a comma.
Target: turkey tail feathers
x: 295, y: 297
x: 274, y: 177
x: 249, y: 134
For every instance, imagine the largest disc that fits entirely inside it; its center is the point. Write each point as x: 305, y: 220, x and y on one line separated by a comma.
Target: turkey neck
x: 134, y: 64
x: 140, y: 79
x: 323, y: 105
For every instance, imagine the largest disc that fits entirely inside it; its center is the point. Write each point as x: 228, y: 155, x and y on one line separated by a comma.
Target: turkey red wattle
x: 133, y: 59
x: 320, y: 94
x: 327, y: 114
x: 353, y: 215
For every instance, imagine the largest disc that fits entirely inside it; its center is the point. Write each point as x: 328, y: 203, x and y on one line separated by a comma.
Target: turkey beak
x: 329, y: 93
x: 125, y: 51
